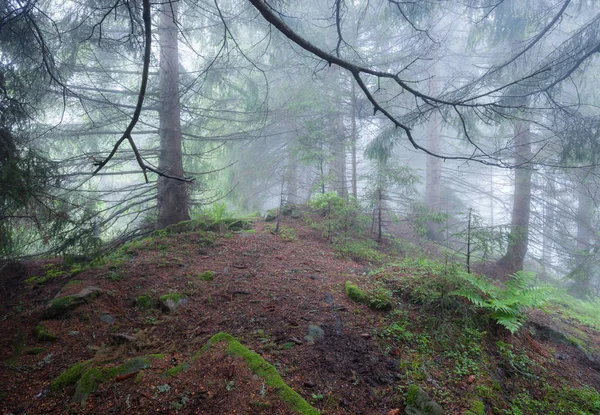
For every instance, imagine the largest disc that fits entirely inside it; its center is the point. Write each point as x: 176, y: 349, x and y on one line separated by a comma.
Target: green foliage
x: 377, y: 299
x: 206, y: 276
x: 144, y: 302
x: 357, y: 249
x: 584, y: 311
x: 505, y: 305
x: 340, y: 215
x: 422, y: 215
x: 287, y: 234
x: 518, y: 364
x: 562, y: 400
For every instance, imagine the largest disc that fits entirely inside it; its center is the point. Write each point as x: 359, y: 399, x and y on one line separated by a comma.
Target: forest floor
x: 116, y: 346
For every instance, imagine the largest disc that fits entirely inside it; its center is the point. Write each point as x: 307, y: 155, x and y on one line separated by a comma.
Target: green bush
x: 505, y: 305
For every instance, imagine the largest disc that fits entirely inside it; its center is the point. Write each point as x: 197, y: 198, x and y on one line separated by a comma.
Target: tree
x: 172, y: 194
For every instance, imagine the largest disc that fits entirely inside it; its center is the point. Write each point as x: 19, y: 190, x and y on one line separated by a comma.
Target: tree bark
x: 172, y: 194
x: 354, y: 140
x: 518, y: 238
x: 585, y: 234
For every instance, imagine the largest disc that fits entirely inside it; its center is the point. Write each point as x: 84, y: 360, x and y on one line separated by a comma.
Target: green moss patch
x: 355, y: 293
x: 70, y: 376
x: 377, y: 299
x: 43, y: 334
x: 35, y: 350
x: 263, y: 369
x: 175, y: 370
x: 175, y: 297
x: 87, y: 378
x: 144, y: 302
x: 206, y: 276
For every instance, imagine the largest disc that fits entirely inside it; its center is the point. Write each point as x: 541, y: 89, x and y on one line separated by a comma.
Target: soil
x: 266, y: 292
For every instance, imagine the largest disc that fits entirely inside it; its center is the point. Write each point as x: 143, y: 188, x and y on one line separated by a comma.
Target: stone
x: 271, y: 215
x: 107, y: 318
x: 171, y: 302
x: 120, y: 338
x: 60, y: 305
x: 419, y: 403
x: 315, y: 333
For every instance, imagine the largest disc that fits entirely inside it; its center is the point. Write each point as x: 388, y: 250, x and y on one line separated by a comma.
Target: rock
x: 121, y: 338
x: 419, y: 403
x: 271, y: 215
x: 315, y: 333
x: 308, y: 384
x: 107, y: 318
x: 60, y: 305
x: 296, y: 340
x: 43, y: 334
x: 171, y: 302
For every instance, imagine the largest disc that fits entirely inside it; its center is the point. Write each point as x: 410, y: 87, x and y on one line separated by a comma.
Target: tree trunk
x: 172, y: 194
x: 433, y: 181
x: 338, y: 162
x: 549, y: 224
x: 354, y: 140
x: 518, y: 238
x: 585, y: 234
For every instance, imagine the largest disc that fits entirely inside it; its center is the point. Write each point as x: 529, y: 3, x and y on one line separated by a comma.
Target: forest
x: 272, y: 207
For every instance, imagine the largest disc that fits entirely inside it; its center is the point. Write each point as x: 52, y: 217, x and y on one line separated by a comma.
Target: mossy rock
x: 418, y: 402
x: 477, y: 408
x: 144, y: 302
x: 43, y: 334
x: 35, y: 350
x: 262, y: 368
x: 206, y: 276
x: 175, y: 370
x: 379, y: 299
x: 355, y: 293
x: 87, y: 378
x: 59, y: 306
x: 172, y: 301
x: 69, y: 376
x: 271, y: 215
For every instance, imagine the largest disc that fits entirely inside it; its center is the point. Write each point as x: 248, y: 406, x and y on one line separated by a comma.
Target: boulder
x: 60, y: 305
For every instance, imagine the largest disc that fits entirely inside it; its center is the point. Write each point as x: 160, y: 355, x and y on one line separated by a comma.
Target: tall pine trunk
x: 518, y: 239
x: 354, y: 141
x: 172, y: 194
x: 585, y: 234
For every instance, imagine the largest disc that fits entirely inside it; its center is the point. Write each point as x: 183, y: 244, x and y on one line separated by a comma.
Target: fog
x: 427, y: 112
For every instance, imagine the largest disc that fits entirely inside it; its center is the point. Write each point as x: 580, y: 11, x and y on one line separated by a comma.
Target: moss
x: 411, y: 394
x: 175, y: 297
x: 72, y: 282
x: 354, y: 292
x: 62, y: 304
x: 35, y: 350
x: 175, y: 370
x: 70, y: 376
x: 88, y: 383
x: 156, y: 356
x: 287, y: 346
x: 477, y: 408
x: 144, y: 302
x: 18, y: 348
x: 206, y: 276
x: 133, y: 365
x: 42, y: 334
x: 263, y: 369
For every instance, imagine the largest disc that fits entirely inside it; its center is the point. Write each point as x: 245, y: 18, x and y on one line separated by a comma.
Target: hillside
x: 251, y: 322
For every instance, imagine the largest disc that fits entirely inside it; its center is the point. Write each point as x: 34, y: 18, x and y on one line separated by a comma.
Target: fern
x: 505, y: 305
